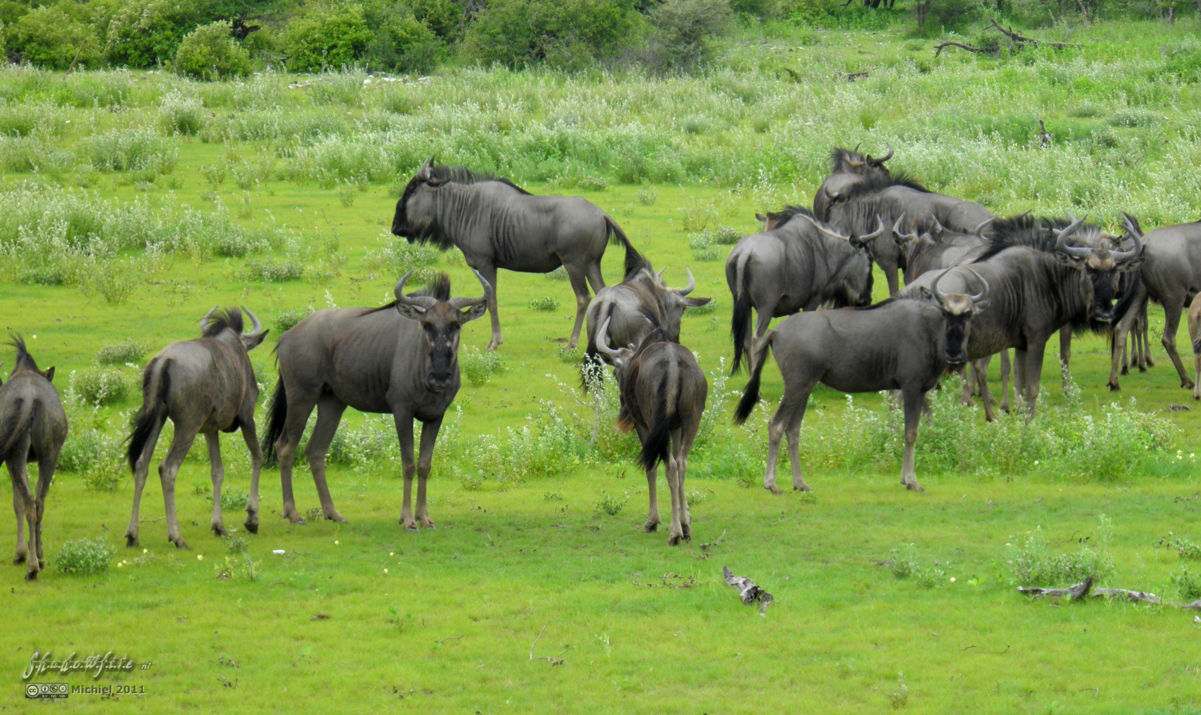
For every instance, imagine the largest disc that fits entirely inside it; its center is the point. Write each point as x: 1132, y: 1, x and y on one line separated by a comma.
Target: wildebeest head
x: 957, y: 311
x: 217, y: 320
x: 414, y: 217
x: 441, y: 318
x: 848, y: 168
x: 622, y: 357
x: 675, y: 301
x: 1102, y: 265
x: 25, y: 361
x: 852, y: 286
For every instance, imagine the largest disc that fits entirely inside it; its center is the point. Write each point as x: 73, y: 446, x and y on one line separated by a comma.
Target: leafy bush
x: 610, y: 504
x: 93, y: 449
x: 181, y: 114
x: 905, y: 564
x: 49, y: 37
x: 399, y: 42
x: 138, y: 150
x: 125, y: 352
x: 1188, y: 584
x: 101, y: 387
x: 683, y: 31
x: 210, y: 52
x: 84, y: 557
x: 288, y: 317
x: 1032, y: 563
x: 566, y: 34
x: 275, y: 271
x: 478, y: 366
x: 545, y: 303
x: 148, y: 33
x: 326, y: 36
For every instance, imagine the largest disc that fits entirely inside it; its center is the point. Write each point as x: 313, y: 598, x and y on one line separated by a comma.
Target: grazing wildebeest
x: 639, y: 302
x: 898, y: 344
x: 498, y: 225
x: 663, y: 393
x: 798, y: 265
x: 33, y: 425
x: 1039, y: 285
x: 1170, y: 275
x: 401, y: 358
x: 203, y: 386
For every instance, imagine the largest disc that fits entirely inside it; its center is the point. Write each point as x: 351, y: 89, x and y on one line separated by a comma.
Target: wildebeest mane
x: 784, y: 215
x: 221, y: 319
x: 1033, y: 231
x: 24, y: 359
x: 842, y: 160
x: 878, y: 182
x: 463, y: 175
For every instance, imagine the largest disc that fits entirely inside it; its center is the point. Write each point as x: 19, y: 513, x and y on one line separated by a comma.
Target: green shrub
x: 128, y: 351
x: 905, y: 564
x: 683, y: 32
x: 286, y: 318
x: 326, y: 35
x: 566, y: 34
x: 545, y: 303
x: 1032, y: 563
x: 91, y: 450
x: 181, y: 114
x: 1188, y: 584
x: 101, y: 387
x: 83, y: 557
x: 275, y: 271
x: 148, y: 33
x: 400, y: 43
x: 210, y: 52
x: 478, y: 366
x: 49, y: 37
x: 610, y: 504
x: 138, y: 150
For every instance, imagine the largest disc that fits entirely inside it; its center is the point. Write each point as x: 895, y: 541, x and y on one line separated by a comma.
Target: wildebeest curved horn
x: 823, y: 229
x: 896, y: 229
x: 1123, y: 256
x: 691, y: 283
x: 980, y: 229
x: 424, y: 171
x: 461, y: 303
x: 422, y: 303
x: 934, y: 286
x: 1061, y: 242
x: 983, y: 294
x: 938, y: 225
x: 602, y: 340
x: 851, y: 162
x: 874, y: 234
x: 204, y: 322
x: 256, y: 328
x: 886, y: 157
x: 659, y: 275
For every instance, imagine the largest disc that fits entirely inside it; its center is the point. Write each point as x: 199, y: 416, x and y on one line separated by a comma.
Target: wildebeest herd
x: 976, y: 285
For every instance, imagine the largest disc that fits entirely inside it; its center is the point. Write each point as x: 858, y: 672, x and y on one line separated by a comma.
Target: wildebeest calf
x: 204, y: 386
x: 663, y: 393
x: 899, y: 344
x: 32, y: 426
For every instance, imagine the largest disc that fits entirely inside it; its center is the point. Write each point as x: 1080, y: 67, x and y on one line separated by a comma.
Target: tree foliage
x: 568, y: 34
x: 48, y: 37
x: 210, y: 52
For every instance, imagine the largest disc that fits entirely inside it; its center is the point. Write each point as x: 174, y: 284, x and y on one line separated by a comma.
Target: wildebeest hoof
x: 179, y: 543
x: 131, y: 540
x: 1114, y: 387
x: 801, y: 488
x: 1187, y: 384
x: 219, y: 529
x: 19, y: 559
x: 774, y: 489
x: 409, y: 525
x: 650, y: 526
x: 335, y: 516
x: 31, y: 575
x: 252, y: 526
x: 914, y: 487
x: 674, y: 540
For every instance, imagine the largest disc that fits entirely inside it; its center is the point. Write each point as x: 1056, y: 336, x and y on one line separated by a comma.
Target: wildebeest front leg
x: 429, y: 435
x: 579, y: 286
x: 404, y: 434
x: 913, y: 414
x: 256, y: 466
x: 217, y: 472
x: 979, y: 374
x: 1120, y: 332
x: 488, y: 271
x: 1065, y: 355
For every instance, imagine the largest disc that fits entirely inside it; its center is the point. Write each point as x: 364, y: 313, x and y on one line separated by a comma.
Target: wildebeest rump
x: 1169, y: 275
x: 401, y: 358
x: 898, y: 344
x: 798, y: 265
x: 663, y: 393
x: 203, y: 386
x: 498, y: 225
x: 638, y: 303
x: 33, y: 425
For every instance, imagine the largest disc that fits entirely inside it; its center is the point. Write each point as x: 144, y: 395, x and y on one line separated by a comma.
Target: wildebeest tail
x: 740, y: 321
x: 156, y: 381
x: 750, y: 395
x: 592, y: 369
x: 16, y: 424
x: 277, y: 412
x: 657, y: 444
x: 634, y: 259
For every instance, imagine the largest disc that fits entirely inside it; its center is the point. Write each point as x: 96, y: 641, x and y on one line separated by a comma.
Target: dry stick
x: 938, y: 50
x: 1019, y: 38
x: 77, y: 53
x: 1076, y: 592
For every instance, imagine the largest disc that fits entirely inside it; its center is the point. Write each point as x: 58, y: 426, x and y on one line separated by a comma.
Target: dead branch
x: 1019, y: 38
x: 1135, y: 596
x: 748, y: 590
x: 1075, y: 593
x: 547, y: 658
x: 944, y: 45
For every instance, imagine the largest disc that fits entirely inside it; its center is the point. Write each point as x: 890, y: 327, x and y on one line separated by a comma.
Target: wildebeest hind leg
x: 1171, y: 320
x: 217, y: 473
x: 28, y: 509
x: 429, y: 435
x: 579, y: 285
x: 141, y: 469
x: 488, y: 271
x: 256, y: 467
x: 329, y: 414
x: 46, y: 464
x: 19, y: 510
x: 652, y: 514
x: 168, y: 470
x: 286, y: 444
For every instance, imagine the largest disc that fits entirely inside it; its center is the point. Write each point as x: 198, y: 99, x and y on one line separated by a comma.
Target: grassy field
x: 132, y: 203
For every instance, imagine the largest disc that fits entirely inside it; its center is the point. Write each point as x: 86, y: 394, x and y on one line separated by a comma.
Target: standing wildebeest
x: 498, y: 225
x: 847, y: 168
x: 1194, y: 334
x: 937, y: 247
x: 1170, y: 275
x: 32, y: 426
x: 1039, y: 285
x: 204, y: 386
x: 798, y: 265
x: 638, y: 303
x: 663, y: 393
x: 898, y: 344
x: 401, y: 358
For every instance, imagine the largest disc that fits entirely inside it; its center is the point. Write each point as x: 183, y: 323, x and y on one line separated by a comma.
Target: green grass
x: 539, y: 590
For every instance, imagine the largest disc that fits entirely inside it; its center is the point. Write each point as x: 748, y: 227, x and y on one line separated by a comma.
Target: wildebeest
x: 1039, y: 284
x: 799, y: 265
x: 203, y: 386
x: 640, y: 302
x: 937, y: 247
x: 401, y: 358
x: 888, y: 195
x: 498, y: 225
x: 1170, y: 275
x: 847, y: 168
x: 1194, y: 334
x: 663, y: 393
x: 898, y: 344
x: 33, y: 425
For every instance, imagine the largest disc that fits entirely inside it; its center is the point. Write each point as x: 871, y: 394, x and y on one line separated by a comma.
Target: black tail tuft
x: 634, y: 260
x: 657, y: 444
x: 153, y: 411
x: 750, y: 395
x: 278, y: 411
x: 740, y: 325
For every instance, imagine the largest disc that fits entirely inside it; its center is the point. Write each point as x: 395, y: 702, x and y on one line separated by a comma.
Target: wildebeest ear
x: 469, y: 314
x: 926, y: 294
x: 251, y: 341
x: 979, y: 305
x: 410, y: 310
x: 49, y: 373
x: 697, y: 302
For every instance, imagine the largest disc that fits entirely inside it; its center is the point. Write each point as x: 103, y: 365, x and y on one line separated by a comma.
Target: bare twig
x: 944, y: 45
x: 1135, y: 596
x: 547, y: 658
x: 1019, y: 38
x: 1075, y: 593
